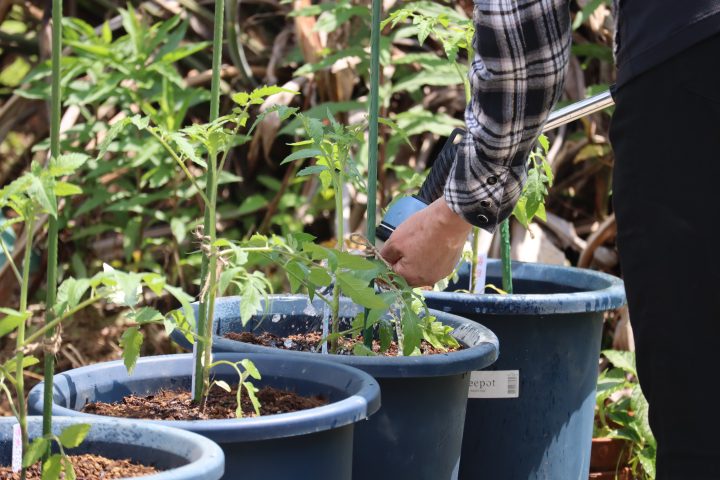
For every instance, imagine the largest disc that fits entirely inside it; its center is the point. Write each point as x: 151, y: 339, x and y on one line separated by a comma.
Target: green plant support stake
x: 52, y: 265
x: 505, y: 255
x: 204, y: 320
x: 373, y: 134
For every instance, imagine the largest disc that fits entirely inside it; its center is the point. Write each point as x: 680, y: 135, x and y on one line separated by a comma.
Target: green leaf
x: 146, y: 315
x: 250, y: 303
x: 359, y: 291
x: 65, y: 189
x: 183, y: 51
x: 178, y: 229
x: 412, y: 332
x: 251, y: 204
x: 52, y: 467
x: 385, y: 331
x: 312, y: 170
x: 36, y: 450
x: 155, y: 282
x: 111, y: 135
x: 69, y: 469
x: 258, y: 95
x: 186, y: 149
x: 11, y: 320
x: 296, y: 272
x: 43, y: 191
x: 28, y: 361
x: 622, y: 360
x: 250, y: 368
x: 67, y: 164
x: 544, y: 143
x: 130, y: 342
x: 140, y: 122
x: 355, y: 262
x: 72, y: 290
x: 300, y: 154
x: 362, y: 351
x: 224, y: 385
x: 74, y: 435
x: 251, y: 391
x: 319, y: 277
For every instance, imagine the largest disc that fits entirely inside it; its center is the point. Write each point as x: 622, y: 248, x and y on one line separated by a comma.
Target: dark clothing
x: 666, y: 136
x: 650, y: 32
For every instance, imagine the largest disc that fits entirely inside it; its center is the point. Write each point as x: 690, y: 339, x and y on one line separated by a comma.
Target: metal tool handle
x: 579, y: 109
x: 434, y: 184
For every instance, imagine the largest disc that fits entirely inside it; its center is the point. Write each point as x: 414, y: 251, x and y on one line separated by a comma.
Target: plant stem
x: 340, y: 231
x: 19, y: 355
x: 209, y: 263
x: 505, y: 255
x: 373, y: 136
x: 52, y: 262
x: 474, y: 262
x: 56, y: 321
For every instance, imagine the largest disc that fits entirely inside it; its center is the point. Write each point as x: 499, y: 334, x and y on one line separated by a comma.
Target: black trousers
x: 666, y: 194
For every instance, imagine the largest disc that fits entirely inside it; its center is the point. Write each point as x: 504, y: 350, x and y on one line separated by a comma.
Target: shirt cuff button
x: 492, y: 180
x: 485, y: 203
x: 482, y: 218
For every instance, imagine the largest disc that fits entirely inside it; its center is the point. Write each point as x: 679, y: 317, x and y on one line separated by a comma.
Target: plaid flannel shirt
x: 522, y: 49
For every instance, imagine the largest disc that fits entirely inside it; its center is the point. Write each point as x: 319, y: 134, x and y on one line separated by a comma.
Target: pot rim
x: 482, y: 353
x: 210, y: 464
x: 358, y: 405
x: 601, y: 292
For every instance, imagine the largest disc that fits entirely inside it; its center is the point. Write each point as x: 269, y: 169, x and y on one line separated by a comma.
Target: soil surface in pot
x: 310, y: 342
x: 89, y: 467
x: 178, y: 405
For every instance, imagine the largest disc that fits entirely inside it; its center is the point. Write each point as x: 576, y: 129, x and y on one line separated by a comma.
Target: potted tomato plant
x: 200, y: 384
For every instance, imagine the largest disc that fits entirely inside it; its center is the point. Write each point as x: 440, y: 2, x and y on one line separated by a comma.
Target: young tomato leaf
x: 250, y: 368
x: 312, y: 170
x: 69, y: 469
x: 224, y: 385
x: 52, y: 467
x: 146, y: 315
x: 251, y: 391
x: 74, y: 435
x: 11, y: 320
x: 359, y: 291
x: 300, y: 154
x: 130, y: 342
x: 361, y: 350
x: 36, y: 450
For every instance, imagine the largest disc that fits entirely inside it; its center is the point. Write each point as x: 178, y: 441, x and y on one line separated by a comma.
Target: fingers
x: 390, y: 253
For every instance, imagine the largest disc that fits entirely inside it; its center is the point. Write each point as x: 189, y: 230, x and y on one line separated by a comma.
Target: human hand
x: 426, y: 247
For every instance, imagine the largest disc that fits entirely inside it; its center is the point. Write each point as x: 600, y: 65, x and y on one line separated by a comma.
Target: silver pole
x: 578, y: 110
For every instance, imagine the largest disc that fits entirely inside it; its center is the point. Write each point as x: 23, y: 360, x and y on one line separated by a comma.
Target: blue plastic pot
x: 181, y: 455
x: 418, y: 431
x: 550, y: 331
x: 315, y: 443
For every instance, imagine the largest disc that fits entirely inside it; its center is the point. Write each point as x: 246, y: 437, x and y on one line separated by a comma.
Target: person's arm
x: 522, y: 49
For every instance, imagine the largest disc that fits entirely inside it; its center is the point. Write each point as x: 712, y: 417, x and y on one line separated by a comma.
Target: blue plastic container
x: 417, y: 433
x: 181, y: 455
x: 310, y: 444
x: 550, y: 331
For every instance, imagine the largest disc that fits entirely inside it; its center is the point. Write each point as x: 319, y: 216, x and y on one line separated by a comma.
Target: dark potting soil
x: 89, y: 467
x: 178, y: 405
x: 310, y: 342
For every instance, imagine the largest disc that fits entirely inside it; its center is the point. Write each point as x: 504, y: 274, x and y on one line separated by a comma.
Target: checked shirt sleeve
x: 522, y: 49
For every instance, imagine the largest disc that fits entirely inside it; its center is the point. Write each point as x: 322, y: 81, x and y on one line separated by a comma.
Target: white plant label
x: 17, y: 452
x: 481, y: 273
x: 497, y: 384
